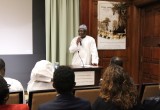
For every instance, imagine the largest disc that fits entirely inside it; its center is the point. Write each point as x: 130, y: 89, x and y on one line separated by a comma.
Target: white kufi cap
x: 83, y: 26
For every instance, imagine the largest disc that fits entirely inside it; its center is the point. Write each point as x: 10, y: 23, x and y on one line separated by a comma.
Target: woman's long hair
x: 117, y: 87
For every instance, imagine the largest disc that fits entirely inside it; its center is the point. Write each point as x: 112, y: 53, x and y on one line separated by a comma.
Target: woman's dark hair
x: 63, y: 79
x: 117, y: 61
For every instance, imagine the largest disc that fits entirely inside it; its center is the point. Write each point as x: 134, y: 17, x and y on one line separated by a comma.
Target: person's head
x: 117, y: 61
x: 2, y: 67
x: 4, y: 91
x: 82, y: 30
x: 63, y: 79
x: 118, y: 88
x: 43, y: 69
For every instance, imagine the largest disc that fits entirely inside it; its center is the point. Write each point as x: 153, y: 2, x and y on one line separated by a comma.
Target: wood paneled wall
x: 150, y: 40
x: 130, y: 55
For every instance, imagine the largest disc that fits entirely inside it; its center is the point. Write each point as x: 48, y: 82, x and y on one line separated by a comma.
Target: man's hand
x: 94, y: 64
x: 79, y: 40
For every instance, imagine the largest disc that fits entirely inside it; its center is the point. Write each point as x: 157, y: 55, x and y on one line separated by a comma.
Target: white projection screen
x: 16, y: 27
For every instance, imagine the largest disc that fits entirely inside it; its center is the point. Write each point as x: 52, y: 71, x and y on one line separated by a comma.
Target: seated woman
x: 117, y: 91
x: 4, y: 96
x: 41, y: 76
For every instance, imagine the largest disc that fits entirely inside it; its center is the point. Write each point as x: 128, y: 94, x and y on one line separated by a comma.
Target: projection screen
x: 16, y: 27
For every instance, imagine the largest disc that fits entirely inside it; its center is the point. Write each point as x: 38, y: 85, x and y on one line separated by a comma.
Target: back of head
x: 42, y: 71
x: 2, y: 67
x: 4, y: 91
x: 116, y: 86
x: 63, y: 79
x: 117, y: 61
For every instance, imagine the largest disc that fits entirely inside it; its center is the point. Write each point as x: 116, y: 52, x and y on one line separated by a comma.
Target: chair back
x: 88, y: 93
x: 15, y: 97
x: 40, y: 96
x: 149, y: 90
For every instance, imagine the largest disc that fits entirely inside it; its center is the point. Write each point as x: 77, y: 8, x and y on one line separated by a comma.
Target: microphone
x: 80, y: 43
x: 81, y: 60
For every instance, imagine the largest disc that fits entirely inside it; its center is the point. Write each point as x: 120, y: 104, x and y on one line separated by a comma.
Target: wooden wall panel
x: 150, y: 72
x: 84, y: 13
x: 150, y: 38
x: 147, y: 39
x: 134, y: 35
x: 156, y: 53
x: 148, y: 17
x: 147, y: 52
x: 141, y: 3
x: 157, y: 24
x: 131, y: 55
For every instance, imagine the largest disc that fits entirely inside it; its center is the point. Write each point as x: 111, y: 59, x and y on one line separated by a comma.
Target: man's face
x: 82, y: 32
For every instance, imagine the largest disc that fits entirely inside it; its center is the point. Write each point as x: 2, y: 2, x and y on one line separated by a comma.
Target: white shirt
x: 41, y: 76
x: 87, y: 51
x: 15, y: 85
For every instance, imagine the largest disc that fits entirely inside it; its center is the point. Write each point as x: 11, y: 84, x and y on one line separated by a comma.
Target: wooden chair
x: 149, y: 90
x: 15, y: 97
x: 40, y: 96
x: 88, y: 93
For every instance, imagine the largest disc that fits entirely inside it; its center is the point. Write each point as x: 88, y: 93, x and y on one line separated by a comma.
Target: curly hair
x: 117, y: 87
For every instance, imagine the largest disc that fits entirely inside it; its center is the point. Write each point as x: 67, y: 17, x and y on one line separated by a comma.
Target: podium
x: 87, y: 75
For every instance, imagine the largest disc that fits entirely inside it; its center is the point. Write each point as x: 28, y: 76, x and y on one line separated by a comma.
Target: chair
x: 38, y: 97
x: 88, y: 93
x: 149, y: 90
x: 15, y: 97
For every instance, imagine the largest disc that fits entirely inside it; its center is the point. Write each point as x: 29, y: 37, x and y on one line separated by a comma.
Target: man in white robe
x: 84, y: 48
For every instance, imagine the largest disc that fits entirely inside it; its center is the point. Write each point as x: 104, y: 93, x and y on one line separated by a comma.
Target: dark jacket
x: 66, y: 102
x: 152, y: 103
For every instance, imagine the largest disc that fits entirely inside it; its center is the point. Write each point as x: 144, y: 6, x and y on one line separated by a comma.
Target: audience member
x: 41, y: 76
x: 117, y: 61
x: 15, y: 84
x: 117, y: 91
x: 4, y: 91
x: 4, y: 96
x: 64, y: 82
